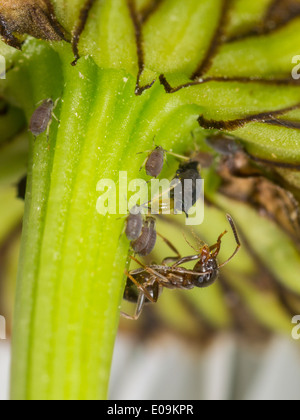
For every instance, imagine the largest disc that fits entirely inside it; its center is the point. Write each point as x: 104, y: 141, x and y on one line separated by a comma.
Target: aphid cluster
x: 141, y: 233
x: 134, y: 226
x: 145, y: 284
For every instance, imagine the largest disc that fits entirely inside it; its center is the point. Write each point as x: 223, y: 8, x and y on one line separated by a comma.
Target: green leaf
x: 267, y: 56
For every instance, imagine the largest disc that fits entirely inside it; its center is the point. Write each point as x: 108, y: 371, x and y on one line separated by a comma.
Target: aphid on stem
x: 154, y: 163
x: 42, y: 117
x: 150, y: 280
x: 134, y: 225
x: 141, y: 232
x: 145, y: 243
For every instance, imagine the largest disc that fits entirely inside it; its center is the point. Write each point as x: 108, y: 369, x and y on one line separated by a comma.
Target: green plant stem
x: 72, y: 262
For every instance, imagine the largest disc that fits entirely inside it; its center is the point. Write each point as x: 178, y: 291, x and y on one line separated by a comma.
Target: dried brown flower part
x: 252, y: 183
x: 281, y: 12
x: 32, y: 17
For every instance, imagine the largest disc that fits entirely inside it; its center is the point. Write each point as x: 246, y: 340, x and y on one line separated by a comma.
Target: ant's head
x: 208, y: 265
x: 207, y: 259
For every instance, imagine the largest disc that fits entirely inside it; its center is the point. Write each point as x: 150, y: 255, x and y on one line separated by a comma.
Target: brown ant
x: 150, y: 280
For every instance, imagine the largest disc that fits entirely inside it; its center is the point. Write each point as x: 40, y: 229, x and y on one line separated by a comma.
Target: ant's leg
x: 189, y: 243
x: 137, y: 271
x: 193, y: 273
x: 140, y: 287
x: 160, y: 195
x: 156, y: 288
x: 138, y: 310
x: 150, y: 271
x: 164, y: 206
x: 186, y: 260
x: 237, y: 239
x: 172, y: 247
x: 217, y: 246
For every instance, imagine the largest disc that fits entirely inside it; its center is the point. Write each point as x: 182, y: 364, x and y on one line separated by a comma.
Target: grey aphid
x: 155, y: 162
x: 134, y: 225
x: 145, y: 244
x: 42, y: 117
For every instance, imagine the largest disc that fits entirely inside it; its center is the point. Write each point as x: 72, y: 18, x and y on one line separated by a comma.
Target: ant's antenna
x: 237, y: 239
x: 198, y: 240
x: 188, y: 242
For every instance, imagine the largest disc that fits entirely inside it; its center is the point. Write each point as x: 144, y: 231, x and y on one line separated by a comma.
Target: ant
x: 150, y: 280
